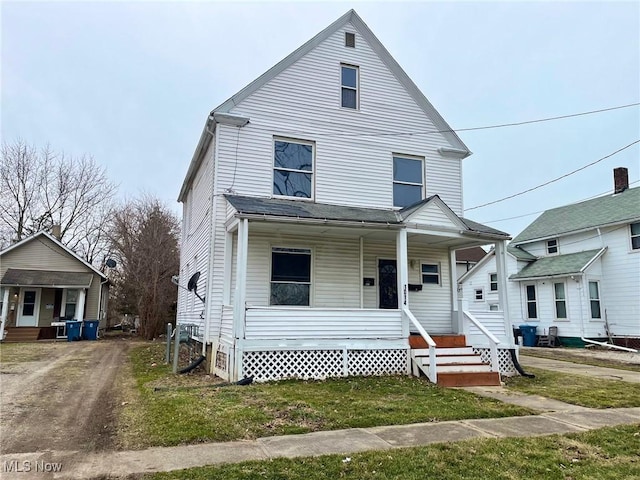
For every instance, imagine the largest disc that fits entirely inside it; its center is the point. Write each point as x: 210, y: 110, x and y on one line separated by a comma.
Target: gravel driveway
x: 59, y: 396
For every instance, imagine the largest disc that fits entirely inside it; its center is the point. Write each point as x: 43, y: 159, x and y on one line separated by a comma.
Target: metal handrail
x: 432, y: 375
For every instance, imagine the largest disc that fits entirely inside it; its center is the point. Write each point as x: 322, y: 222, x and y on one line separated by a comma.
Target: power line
x: 553, y: 180
x: 455, y: 130
x: 542, y: 211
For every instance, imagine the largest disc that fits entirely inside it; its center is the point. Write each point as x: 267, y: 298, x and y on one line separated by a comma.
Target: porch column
x: 239, y: 305
x: 503, y: 294
x: 402, y: 272
x: 80, y: 306
x: 453, y: 274
x: 5, y: 311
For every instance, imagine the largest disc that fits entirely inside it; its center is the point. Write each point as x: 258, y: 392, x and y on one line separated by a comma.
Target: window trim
x: 477, y: 291
x: 563, y: 300
x: 492, y: 283
x: 534, y: 301
x: 596, y: 299
x: 356, y: 89
x: 300, y: 141
x: 437, y: 275
x: 311, y: 282
x: 422, y: 185
x: 63, y: 302
x: 556, y: 245
x: 632, y: 237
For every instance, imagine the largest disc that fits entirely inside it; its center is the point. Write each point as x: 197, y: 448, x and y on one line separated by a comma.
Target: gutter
x: 317, y: 221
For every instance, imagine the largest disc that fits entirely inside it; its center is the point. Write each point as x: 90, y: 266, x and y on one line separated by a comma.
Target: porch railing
x: 432, y: 375
x: 493, y: 340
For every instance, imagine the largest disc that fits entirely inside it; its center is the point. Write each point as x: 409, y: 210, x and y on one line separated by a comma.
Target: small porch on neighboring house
x: 36, y: 303
x: 313, y: 291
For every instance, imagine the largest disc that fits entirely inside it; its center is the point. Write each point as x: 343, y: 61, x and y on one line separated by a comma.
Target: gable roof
x: 460, y: 150
x: 598, y: 212
x: 520, y: 253
x: 559, y: 265
x: 58, y: 243
x: 473, y: 254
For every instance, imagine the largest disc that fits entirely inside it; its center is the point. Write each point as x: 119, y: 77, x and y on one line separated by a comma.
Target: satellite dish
x: 110, y: 262
x: 192, y: 286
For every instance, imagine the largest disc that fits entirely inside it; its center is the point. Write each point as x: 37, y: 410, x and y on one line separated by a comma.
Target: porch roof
x: 559, y: 265
x: 15, y: 277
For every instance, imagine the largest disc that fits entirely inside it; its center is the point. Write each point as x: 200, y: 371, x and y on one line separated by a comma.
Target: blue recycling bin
x: 90, y: 329
x: 73, y: 330
x: 528, y: 335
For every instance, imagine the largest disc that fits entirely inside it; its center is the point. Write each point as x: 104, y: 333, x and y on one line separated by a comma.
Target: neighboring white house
x: 576, y: 267
x: 324, y: 234
x: 467, y: 258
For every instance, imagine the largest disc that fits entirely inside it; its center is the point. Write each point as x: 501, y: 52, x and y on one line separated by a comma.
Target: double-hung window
x: 349, y: 86
x: 479, y: 294
x: 70, y: 303
x: 493, y: 282
x: 293, y: 168
x: 430, y: 273
x: 290, y: 276
x: 594, y: 299
x: 560, y: 298
x: 552, y: 246
x: 532, y: 304
x: 635, y: 236
x: 407, y: 181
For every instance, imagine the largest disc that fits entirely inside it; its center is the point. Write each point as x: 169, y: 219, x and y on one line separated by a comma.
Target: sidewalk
x: 559, y: 418
x: 579, y: 369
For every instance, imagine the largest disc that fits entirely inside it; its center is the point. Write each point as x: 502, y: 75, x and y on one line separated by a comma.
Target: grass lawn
x: 27, y: 352
x: 575, y: 357
x: 608, y: 453
x: 578, y: 389
x: 188, y: 409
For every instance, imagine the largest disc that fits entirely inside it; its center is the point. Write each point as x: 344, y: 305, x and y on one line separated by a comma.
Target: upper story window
x: 635, y: 236
x: 293, y: 168
x: 552, y: 246
x: 430, y: 273
x: 407, y: 181
x: 493, y: 282
x: 349, y: 86
x: 350, y: 39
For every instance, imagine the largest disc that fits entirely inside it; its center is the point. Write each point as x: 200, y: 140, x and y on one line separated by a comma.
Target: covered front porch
x: 299, y: 290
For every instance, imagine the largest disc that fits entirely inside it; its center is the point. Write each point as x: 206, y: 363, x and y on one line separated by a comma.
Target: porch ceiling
x: 14, y: 277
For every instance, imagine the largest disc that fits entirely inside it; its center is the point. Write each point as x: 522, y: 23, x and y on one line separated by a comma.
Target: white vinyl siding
x: 634, y: 231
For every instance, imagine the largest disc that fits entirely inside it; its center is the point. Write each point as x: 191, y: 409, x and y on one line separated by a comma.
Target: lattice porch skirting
x: 504, y: 360
x: 316, y: 364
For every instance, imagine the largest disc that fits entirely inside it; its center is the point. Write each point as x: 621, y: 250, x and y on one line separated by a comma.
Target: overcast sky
x: 131, y: 83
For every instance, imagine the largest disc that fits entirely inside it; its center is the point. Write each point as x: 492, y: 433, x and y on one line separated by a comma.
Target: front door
x: 29, y: 307
x: 388, y: 283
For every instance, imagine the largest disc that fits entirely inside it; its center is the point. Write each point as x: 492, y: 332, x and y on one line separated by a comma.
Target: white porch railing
x: 432, y: 375
x: 493, y: 340
x: 298, y: 323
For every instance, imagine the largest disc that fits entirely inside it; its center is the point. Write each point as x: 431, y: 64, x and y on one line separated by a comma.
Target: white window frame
x: 492, y: 283
x: 478, y: 294
x: 563, y: 300
x: 63, y: 306
x: 594, y: 299
x: 356, y: 89
x: 553, y: 243
x: 400, y: 182
x: 311, y: 271
x: 430, y: 274
x: 534, y: 301
x: 633, y: 236
x: 295, y: 170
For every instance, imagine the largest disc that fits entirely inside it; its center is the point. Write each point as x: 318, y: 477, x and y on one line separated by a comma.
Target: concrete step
x: 463, y: 367
x: 465, y: 379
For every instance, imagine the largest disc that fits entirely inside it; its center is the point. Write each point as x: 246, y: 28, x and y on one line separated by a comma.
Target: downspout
x: 212, y: 209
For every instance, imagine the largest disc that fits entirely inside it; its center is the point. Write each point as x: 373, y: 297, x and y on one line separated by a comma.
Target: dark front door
x: 388, y: 282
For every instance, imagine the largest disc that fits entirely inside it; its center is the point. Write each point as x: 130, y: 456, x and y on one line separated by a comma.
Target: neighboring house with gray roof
x: 323, y: 240
x: 42, y: 282
x: 577, y: 268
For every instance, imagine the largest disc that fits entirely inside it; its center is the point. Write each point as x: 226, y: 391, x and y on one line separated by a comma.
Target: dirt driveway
x: 59, y: 396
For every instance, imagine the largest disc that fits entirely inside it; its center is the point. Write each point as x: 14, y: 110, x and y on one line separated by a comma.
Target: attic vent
x: 349, y: 39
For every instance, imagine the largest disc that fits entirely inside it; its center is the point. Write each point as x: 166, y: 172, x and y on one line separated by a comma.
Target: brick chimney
x: 55, y: 231
x: 620, y: 179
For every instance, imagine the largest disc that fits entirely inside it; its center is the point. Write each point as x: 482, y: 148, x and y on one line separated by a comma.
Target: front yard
x: 161, y: 409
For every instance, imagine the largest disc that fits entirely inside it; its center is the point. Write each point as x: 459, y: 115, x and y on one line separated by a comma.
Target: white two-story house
x: 575, y: 267
x: 323, y: 207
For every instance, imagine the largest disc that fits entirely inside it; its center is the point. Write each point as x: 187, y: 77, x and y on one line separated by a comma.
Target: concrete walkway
x: 555, y: 417
x: 579, y: 369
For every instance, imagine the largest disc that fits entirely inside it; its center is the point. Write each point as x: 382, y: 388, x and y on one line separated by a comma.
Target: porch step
x: 465, y: 379
x: 424, y: 352
x: 22, y: 334
x: 463, y: 368
x: 444, y: 341
x: 450, y: 359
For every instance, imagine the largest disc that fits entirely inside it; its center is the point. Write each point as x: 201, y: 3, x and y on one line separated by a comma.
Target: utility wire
x: 455, y: 130
x: 542, y: 211
x: 553, y: 180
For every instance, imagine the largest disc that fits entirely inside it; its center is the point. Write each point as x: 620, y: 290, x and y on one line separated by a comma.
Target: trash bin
x: 90, y: 329
x: 73, y: 330
x: 528, y: 335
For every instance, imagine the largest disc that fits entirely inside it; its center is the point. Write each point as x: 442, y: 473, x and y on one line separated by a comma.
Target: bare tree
x: 40, y: 188
x: 144, y: 240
